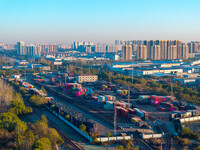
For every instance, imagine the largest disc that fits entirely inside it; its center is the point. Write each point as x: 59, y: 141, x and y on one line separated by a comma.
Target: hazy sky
x: 65, y: 21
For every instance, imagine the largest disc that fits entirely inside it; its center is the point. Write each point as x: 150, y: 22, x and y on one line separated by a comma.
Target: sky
x: 100, y: 21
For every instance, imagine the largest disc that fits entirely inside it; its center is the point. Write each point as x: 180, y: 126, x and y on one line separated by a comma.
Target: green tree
x: 137, y: 147
x: 37, y: 100
x: 108, y: 134
x: 21, y: 127
x: 82, y: 127
x: 42, y: 144
x: 44, y: 119
x: 67, y: 117
x: 121, y: 147
x: 128, y: 146
x: 43, y: 90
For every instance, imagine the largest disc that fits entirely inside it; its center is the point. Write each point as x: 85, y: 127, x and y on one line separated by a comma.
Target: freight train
x: 73, y: 116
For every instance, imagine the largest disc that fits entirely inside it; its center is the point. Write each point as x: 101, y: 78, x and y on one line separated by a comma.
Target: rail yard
x: 105, y: 107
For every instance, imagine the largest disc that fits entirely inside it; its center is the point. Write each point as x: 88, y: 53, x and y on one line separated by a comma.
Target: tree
x: 67, y: 117
x: 137, y: 147
x: 108, y: 134
x: 121, y: 147
x: 42, y: 144
x: 128, y: 146
x: 54, y: 137
x: 44, y: 119
x: 43, y: 90
x: 185, y: 141
x: 21, y: 127
x: 82, y: 127
x: 8, y: 121
x: 37, y: 100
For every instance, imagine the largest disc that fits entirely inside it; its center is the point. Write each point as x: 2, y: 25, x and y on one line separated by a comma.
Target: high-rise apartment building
x: 81, y: 46
x: 33, y: 50
x: 165, y: 50
x: 21, y: 48
x: 193, y: 47
x: 127, y: 53
x: 117, y: 42
x: 172, y: 52
x: 185, y: 51
x: 142, y: 52
x: 155, y: 52
x: 112, y: 48
x: 48, y: 49
x: 100, y: 48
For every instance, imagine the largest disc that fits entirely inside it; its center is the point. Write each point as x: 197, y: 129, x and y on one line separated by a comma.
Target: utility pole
x: 171, y: 87
x: 129, y: 94
x: 132, y: 72
x: 115, y: 118
x: 25, y: 74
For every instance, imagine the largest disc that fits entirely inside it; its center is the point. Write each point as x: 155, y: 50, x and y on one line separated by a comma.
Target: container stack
x: 165, y: 106
x: 135, y: 120
x: 105, y: 88
x: 48, y: 99
x: 39, y: 80
x: 144, y: 97
x: 122, y: 92
x: 122, y: 112
x: 141, y: 113
x: 112, y: 86
x: 27, y: 85
x: 109, y: 105
x: 123, y: 104
x: 72, y: 86
x: 156, y: 100
x: 184, y: 114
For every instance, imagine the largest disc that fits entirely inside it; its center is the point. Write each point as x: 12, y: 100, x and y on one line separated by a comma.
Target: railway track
x: 67, y: 140
x: 100, y: 116
x: 168, y: 137
x: 144, y: 144
x: 167, y: 134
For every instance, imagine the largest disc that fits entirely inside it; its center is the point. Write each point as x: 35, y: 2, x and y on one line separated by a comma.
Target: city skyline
x: 63, y: 22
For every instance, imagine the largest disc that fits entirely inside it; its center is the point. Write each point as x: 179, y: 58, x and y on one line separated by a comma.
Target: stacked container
x: 141, y: 113
x: 122, y: 92
x: 105, y: 88
x: 109, y: 105
x: 135, y: 120
x: 124, y: 113
x: 146, y: 97
x: 101, y: 98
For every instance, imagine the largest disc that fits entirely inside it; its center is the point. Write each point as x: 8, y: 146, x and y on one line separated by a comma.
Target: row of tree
x: 16, y: 134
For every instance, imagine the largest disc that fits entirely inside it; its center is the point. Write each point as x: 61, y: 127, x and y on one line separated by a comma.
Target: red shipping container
x: 160, y: 108
x: 108, y: 89
x: 172, y: 109
x: 131, y: 111
x: 124, y: 113
x: 155, y: 104
x: 127, y: 106
x: 155, y: 98
x: 118, y: 109
x: 181, y: 107
x: 168, y: 105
